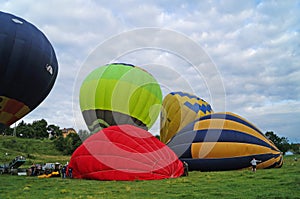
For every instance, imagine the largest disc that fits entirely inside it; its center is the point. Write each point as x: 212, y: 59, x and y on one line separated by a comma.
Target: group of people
x: 35, y: 169
x: 64, y: 171
x: 66, y: 168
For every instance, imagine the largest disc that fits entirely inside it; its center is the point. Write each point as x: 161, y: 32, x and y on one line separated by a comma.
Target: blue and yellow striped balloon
x: 224, y: 141
x: 178, y: 110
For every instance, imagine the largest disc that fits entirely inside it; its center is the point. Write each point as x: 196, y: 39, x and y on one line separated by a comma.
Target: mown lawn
x: 269, y: 183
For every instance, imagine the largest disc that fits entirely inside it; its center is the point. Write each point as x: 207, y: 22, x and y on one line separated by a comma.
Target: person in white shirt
x: 254, y: 164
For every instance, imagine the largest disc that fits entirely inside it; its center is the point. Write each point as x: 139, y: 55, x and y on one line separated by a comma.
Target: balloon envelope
x: 124, y: 152
x: 224, y: 141
x: 178, y: 110
x: 120, y: 94
x: 28, y: 68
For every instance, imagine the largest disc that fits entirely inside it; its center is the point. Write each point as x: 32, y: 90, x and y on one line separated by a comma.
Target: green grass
x: 268, y: 183
x: 34, y: 150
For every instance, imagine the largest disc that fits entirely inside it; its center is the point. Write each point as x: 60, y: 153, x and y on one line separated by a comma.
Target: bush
x: 69, y: 144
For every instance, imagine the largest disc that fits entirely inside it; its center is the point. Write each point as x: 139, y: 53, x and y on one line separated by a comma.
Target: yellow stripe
x: 5, y: 117
x: 227, y: 150
x: 229, y: 125
x: 23, y: 111
x: 3, y: 102
x: 171, y: 125
x: 172, y: 118
x: 280, y: 161
x: 183, y: 99
x: 268, y: 163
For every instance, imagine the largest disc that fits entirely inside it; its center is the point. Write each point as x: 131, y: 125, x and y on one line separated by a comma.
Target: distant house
x: 67, y: 131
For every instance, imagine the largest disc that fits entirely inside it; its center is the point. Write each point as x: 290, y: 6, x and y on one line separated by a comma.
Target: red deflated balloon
x: 124, y: 152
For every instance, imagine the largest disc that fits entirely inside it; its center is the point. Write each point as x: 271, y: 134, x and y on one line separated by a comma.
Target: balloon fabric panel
x: 274, y: 162
x: 124, y: 152
x: 11, y: 110
x: 234, y: 130
x: 227, y: 149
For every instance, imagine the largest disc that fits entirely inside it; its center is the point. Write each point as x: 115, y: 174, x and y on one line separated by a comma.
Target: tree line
x: 282, y: 143
x: 40, y: 130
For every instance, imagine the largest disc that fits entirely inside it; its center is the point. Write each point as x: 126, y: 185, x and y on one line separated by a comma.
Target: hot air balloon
x: 178, y: 110
x: 124, y: 152
x: 28, y: 68
x: 117, y: 94
x: 224, y: 141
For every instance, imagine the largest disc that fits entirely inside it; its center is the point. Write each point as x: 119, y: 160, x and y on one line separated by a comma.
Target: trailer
x: 12, y: 167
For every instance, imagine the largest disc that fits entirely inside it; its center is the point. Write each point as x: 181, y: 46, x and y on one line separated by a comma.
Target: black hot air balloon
x: 28, y: 68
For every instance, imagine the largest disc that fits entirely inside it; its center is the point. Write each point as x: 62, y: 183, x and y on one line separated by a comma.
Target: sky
x: 241, y: 57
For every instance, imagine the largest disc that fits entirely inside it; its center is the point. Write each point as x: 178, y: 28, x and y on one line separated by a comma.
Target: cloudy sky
x: 240, y: 57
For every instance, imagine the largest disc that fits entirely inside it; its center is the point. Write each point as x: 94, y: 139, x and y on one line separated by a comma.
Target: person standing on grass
x: 32, y: 169
x: 70, y: 172
x: 63, y: 171
x: 254, y: 164
x: 186, y: 168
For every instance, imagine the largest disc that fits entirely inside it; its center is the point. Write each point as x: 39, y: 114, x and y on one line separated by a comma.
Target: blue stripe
x: 224, y: 135
x: 277, y: 164
x: 120, y: 64
x: 182, y: 94
x: 198, y: 107
x: 181, y: 144
x: 185, y: 95
x: 182, y: 141
x: 223, y: 164
x: 232, y: 118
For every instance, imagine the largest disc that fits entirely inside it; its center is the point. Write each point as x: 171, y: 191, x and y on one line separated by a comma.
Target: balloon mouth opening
x: 116, y: 118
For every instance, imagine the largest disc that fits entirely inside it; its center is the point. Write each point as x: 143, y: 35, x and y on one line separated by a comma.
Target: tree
x: 280, y: 142
x: 54, y: 130
x: 8, y: 131
x: 69, y: 144
x: 59, y: 143
x: 83, y: 134
x: 72, y: 141
x: 295, y: 148
x: 40, y: 129
x: 24, y: 130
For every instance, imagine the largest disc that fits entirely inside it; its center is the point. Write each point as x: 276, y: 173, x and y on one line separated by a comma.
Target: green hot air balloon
x: 117, y: 94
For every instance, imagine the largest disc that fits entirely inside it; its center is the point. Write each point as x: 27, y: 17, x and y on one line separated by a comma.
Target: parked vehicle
x: 12, y: 167
x: 1, y: 169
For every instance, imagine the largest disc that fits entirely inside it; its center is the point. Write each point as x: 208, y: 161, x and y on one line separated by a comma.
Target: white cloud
x: 254, y: 45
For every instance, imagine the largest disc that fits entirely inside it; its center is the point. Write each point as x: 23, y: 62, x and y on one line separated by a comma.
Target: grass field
x: 34, y: 150
x: 269, y: 183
